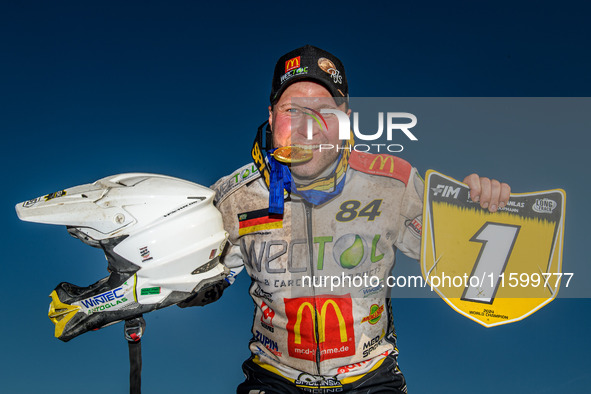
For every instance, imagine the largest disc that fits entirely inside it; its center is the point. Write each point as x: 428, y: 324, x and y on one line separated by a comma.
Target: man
x: 335, y: 213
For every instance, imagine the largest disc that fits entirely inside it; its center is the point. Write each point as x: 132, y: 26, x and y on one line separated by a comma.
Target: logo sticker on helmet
x: 55, y: 195
x: 145, y: 253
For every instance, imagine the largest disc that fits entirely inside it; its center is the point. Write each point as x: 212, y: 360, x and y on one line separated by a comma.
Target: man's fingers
x: 491, y: 194
x: 495, y: 192
x: 473, y: 182
x: 505, y: 194
x: 485, y: 187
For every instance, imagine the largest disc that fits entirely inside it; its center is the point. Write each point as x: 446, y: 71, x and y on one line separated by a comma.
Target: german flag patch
x: 259, y: 220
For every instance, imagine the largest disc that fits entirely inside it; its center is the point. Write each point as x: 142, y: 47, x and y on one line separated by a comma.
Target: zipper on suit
x: 308, y: 210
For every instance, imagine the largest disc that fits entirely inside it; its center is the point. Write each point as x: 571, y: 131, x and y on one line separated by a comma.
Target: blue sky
x: 91, y: 89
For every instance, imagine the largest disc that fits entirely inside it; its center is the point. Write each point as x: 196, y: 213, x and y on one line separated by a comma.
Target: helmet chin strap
x: 134, y: 330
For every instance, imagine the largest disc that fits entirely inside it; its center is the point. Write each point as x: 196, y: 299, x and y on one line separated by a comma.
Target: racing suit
x: 305, y: 329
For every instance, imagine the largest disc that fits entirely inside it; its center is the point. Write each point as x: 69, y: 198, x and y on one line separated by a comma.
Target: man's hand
x: 491, y: 193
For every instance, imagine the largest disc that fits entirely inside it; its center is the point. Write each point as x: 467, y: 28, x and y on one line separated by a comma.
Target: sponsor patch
x: 197, y: 200
x: 330, y: 317
x: 110, y: 299
x: 231, y: 183
x: 544, y: 205
x: 292, y: 64
x: 372, y: 344
x: 103, y: 298
x: 361, y: 364
x: 329, y: 67
x: 381, y: 164
x: 150, y: 291
x: 375, y: 314
x: 260, y: 220
x: 145, y: 253
x: 267, y: 317
x: 415, y: 226
x: 30, y: 203
x: 263, y: 294
x: 293, y: 73
x: 446, y: 191
x: 315, y: 383
x: 51, y: 196
x: 270, y: 344
x: 372, y: 291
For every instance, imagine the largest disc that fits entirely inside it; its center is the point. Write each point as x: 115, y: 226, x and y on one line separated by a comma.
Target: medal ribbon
x: 278, y: 177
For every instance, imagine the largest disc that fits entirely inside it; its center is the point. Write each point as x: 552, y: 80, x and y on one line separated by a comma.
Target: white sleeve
x: 232, y: 258
x: 411, y: 217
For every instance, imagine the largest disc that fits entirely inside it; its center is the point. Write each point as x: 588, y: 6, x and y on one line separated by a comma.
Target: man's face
x: 288, y: 121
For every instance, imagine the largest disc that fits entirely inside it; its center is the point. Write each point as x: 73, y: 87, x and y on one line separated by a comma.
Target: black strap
x: 134, y: 329
x: 135, y: 367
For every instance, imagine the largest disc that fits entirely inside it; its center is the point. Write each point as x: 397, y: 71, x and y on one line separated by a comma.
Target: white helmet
x: 161, y: 235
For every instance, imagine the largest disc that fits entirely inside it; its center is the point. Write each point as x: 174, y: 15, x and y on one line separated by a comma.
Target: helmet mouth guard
x: 162, y: 238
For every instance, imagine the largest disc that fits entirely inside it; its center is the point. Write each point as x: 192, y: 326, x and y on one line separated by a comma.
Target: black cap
x: 314, y: 64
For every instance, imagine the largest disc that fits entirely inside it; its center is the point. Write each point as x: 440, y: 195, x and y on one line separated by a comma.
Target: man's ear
x: 271, y: 117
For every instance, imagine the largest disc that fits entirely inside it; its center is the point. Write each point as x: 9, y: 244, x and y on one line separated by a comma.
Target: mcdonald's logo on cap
x: 292, y: 64
x: 331, y: 317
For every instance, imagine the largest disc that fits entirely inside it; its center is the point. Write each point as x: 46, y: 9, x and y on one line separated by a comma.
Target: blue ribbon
x: 281, y: 179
